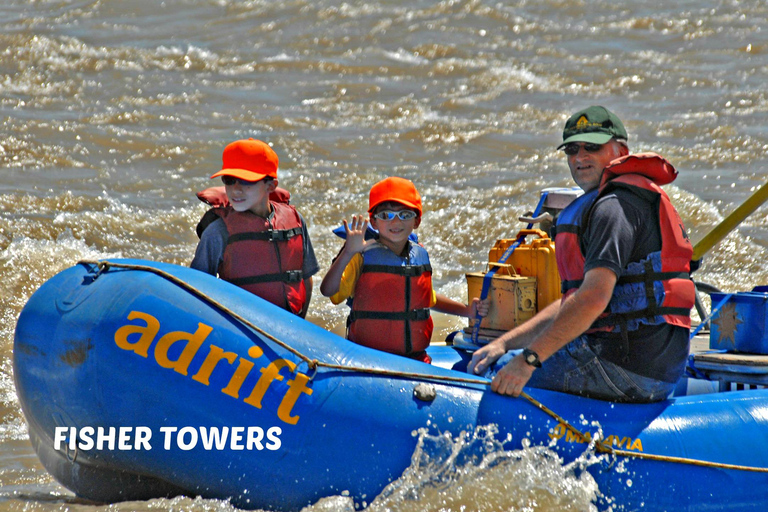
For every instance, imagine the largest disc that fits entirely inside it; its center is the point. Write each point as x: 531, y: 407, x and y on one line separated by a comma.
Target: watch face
x: 531, y: 358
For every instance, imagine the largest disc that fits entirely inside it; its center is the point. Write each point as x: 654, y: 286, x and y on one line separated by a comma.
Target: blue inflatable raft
x: 142, y: 379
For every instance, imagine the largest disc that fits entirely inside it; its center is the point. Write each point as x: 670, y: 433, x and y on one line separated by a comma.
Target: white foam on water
x: 26, y: 264
x: 406, y: 57
x: 475, y: 471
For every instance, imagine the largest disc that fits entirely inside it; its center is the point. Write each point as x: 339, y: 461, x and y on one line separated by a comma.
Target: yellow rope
x: 314, y: 363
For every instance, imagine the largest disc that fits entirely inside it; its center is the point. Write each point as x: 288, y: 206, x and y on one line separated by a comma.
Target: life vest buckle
x: 293, y: 276
x: 278, y: 235
x: 418, y: 315
x: 413, y: 270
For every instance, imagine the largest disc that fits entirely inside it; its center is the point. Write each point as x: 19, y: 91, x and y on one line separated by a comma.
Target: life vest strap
x: 565, y: 228
x: 616, y: 318
x: 652, y: 276
x: 636, y: 278
x: 413, y: 315
x: 271, y: 235
x: 406, y: 270
x: 569, y: 284
x: 289, y: 276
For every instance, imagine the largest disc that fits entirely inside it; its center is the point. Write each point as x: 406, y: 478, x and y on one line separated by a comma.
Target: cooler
x: 740, y: 325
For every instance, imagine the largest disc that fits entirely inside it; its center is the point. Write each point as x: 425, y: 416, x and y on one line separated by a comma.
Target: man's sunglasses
x: 573, y: 148
x: 390, y: 215
x: 231, y: 180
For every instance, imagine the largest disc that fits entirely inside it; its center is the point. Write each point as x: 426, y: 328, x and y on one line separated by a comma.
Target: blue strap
x: 711, y: 314
x: 692, y: 372
x: 504, y: 257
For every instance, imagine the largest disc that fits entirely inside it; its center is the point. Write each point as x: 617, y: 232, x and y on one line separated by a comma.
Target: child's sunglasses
x: 390, y: 215
x: 231, y: 180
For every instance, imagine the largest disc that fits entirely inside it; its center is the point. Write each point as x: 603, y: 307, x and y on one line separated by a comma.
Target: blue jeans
x: 577, y: 370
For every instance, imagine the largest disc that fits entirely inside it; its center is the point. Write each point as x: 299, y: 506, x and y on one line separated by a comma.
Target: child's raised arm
x: 355, y: 243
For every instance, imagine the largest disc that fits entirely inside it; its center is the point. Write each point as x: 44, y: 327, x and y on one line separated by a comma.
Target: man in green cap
x: 620, y: 331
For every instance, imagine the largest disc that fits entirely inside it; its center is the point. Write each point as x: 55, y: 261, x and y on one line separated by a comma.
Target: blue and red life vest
x: 654, y: 290
x: 390, y: 309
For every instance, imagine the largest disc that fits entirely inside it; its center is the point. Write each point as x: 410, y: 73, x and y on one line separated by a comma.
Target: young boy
x: 388, y: 281
x: 260, y: 245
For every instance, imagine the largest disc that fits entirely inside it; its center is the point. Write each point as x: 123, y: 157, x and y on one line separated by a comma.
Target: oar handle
x: 731, y: 221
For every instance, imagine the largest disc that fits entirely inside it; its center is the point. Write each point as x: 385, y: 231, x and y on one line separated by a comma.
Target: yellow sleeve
x: 349, y: 279
x: 433, y: 300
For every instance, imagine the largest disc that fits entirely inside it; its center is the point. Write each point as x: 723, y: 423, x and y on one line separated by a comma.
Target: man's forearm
x: 576, y: 313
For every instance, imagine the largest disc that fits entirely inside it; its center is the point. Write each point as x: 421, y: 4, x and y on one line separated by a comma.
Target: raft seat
x: 732, y: 370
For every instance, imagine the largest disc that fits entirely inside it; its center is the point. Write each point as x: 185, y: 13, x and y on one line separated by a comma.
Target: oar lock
x: 546, y: 216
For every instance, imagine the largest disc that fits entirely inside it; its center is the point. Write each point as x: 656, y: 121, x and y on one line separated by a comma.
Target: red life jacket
x: 390, y: 308
x: 265, y: 256
x: 658, y: 288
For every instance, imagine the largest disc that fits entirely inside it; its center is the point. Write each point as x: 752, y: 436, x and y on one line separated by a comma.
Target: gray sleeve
x: 310, y: 266
x: 623, y: 228
x: 210, y: 249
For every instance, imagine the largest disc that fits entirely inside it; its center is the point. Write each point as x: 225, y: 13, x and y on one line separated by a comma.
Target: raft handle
x: 424, y: 392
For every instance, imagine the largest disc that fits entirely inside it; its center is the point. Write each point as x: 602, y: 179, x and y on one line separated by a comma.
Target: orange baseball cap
x: 249, y: 160
x: 399, y: 190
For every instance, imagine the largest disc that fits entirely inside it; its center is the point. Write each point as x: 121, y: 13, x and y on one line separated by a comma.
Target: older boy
x: 388, y: 281
x: 260, y: 245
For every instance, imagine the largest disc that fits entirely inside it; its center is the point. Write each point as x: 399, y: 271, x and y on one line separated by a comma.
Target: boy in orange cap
x: 259, y: 244
x: 387, y: 281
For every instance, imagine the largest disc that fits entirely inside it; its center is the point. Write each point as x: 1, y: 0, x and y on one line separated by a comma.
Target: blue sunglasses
x: 390, y: 215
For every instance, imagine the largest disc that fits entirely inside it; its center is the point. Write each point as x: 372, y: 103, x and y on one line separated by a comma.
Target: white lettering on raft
x: 88, y: 438
x: 185, y: 438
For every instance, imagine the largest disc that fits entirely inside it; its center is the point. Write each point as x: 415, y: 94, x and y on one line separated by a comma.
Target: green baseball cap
x: 595, y: 124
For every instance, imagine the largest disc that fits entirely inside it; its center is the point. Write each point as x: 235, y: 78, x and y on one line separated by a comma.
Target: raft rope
x: 313, y: 364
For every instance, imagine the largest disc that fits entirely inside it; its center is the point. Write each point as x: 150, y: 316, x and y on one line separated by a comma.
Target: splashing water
x: 474, y: 472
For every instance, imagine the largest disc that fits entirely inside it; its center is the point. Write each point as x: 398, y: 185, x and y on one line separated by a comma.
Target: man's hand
x: 511, y: 379
x: 569, y: 319
x: 484, y: 357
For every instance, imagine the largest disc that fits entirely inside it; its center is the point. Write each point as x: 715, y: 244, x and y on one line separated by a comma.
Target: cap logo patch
x: 584, y: 124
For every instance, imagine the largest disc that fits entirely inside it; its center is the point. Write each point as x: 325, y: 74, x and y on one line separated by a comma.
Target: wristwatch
x: 531, y: 357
